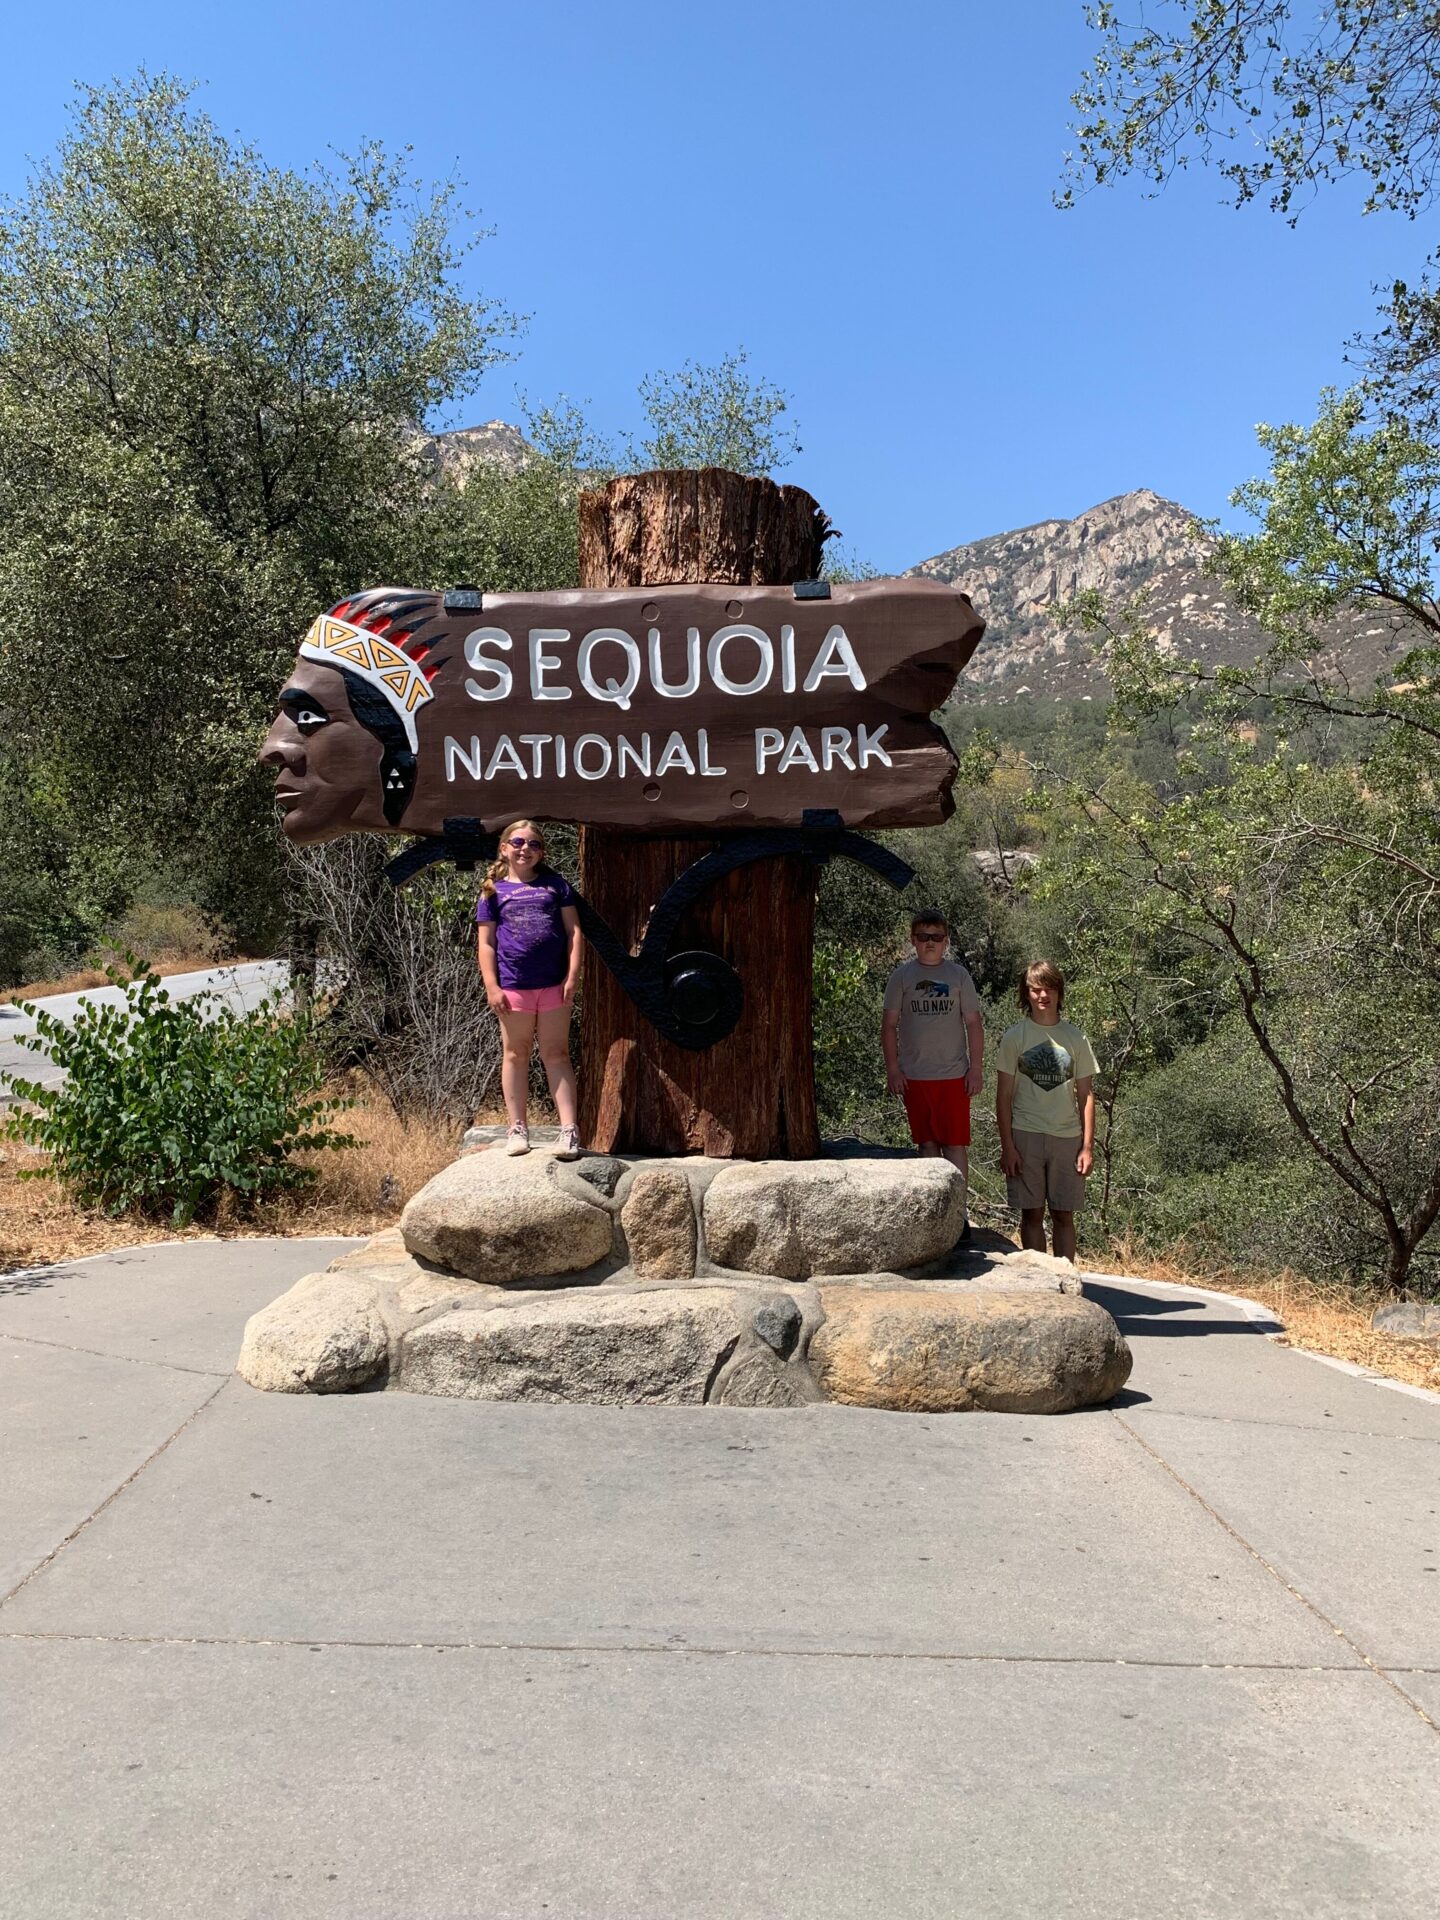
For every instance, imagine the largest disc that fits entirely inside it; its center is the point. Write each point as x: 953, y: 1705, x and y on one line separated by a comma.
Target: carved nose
x: 278, y: 751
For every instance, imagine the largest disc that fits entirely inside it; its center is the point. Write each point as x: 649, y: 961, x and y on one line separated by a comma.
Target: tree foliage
x: 212, y: 374
x: 1349, y: 509
x: 1280, y: 98
x: 1298, y: 853
x: 713, y: 416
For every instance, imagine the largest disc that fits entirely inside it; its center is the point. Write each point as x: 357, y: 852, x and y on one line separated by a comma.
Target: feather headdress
x: 378, y: 634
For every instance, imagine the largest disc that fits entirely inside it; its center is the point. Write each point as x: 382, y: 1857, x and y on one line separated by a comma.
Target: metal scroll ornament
x: 693, y: 998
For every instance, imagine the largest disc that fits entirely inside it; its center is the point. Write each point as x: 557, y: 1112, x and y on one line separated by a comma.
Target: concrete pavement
x: 383, y: 1656
x: 241, y: 986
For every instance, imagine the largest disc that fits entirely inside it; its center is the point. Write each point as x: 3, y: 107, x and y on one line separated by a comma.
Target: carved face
x: 334, y: 774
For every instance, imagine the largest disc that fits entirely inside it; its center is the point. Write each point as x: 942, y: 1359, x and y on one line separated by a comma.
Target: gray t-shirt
x: 932, y: 1003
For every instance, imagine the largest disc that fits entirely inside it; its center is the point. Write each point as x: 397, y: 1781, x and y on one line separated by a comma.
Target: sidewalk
x: 381, y: 1656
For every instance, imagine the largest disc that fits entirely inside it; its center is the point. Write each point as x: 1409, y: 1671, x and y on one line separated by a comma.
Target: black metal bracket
x: 463, y: 840
x: 691, y: 998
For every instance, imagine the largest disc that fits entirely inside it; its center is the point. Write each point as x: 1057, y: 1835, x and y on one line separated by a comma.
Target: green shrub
x: 167, y: 930
x: 850, y: 1091
x: 166, y: 1106
x: 1207, y: 1111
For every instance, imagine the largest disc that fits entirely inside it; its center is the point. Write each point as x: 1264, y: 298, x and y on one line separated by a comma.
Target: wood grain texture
x: 750, y: 1096
x: 650, y: 529
x: 753, y: 1094
x: 660, y: 709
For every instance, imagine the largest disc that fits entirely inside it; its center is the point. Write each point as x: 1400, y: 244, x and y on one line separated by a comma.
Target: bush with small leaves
x: 166, y: 1106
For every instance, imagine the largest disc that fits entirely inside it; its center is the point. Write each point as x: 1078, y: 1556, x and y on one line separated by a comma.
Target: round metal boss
x: 704, y: 992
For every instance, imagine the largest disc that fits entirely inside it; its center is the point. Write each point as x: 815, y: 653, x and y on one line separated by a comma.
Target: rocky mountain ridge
x: 1135, y: 543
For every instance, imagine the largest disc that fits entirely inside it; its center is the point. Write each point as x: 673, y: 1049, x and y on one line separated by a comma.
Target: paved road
x: 388, y: 1658
x: 242, y: 986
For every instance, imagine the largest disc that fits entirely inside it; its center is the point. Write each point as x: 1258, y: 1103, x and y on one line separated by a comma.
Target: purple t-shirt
x: 531, y: 943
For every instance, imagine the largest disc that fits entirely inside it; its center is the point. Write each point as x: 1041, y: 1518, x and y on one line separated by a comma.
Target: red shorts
x: 938, y: 1112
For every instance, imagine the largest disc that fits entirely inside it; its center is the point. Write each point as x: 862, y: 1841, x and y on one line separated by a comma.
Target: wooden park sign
x: 659, y: 709
x: 645, y: 711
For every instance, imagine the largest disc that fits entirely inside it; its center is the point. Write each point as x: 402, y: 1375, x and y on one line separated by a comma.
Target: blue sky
x: 858, y: 194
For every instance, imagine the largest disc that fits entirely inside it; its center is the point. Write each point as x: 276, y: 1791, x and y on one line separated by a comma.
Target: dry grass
x: 1317, y: 1316
x: 85, y: 978
x: 355, y: 1192
x: 363, y: 1189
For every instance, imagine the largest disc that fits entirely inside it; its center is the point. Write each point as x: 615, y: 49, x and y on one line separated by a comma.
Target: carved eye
x: 305, y: 712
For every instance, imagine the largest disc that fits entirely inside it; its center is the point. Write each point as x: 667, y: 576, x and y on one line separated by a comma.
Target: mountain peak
x: 1015, y: 578
x: 1136, y: 543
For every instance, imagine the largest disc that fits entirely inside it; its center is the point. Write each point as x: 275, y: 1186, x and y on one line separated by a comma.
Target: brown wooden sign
x: 654, y: 709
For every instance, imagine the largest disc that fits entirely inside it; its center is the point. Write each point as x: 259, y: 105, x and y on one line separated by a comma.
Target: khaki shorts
x: 1047, y: 1173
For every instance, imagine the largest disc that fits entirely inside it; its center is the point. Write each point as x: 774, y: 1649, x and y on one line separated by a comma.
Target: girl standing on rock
x: 529, y: 951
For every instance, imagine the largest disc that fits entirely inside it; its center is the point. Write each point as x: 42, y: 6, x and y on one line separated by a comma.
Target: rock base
x: 692, y: 1282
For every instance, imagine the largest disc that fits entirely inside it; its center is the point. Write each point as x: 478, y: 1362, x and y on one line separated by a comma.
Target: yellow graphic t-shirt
x: 1046, y: 1063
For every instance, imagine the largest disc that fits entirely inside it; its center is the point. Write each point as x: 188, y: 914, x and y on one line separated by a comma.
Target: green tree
x: 1350, y: 509
x: 716, y: 416
x: 1142, y: 992
x: 1309, y: 882
x: 212, y: 377
x: 1279, y: 98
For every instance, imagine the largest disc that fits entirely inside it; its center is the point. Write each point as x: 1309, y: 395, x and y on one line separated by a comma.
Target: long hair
x: 1044, y: 973
x: 500, y: 869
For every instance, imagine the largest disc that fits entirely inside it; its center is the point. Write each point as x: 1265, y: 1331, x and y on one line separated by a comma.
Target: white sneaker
x: 567, y: 1147
x: 518, y: 1138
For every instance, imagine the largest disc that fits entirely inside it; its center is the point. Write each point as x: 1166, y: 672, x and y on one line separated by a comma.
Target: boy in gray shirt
x: 934, y: 1039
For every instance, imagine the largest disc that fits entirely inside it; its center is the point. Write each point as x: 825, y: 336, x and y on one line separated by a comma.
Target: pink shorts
x: 534, y: 999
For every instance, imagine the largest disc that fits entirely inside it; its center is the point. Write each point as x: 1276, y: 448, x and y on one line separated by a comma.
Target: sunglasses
x: 929, y: 939
x: 518, y: 840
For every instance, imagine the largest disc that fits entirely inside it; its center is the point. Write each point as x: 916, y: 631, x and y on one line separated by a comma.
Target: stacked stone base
x: 692, y: 1282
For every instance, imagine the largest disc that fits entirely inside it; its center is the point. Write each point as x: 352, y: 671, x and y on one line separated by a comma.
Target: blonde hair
x: 500, y: 869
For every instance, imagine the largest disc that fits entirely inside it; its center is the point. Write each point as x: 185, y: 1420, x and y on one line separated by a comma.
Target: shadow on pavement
x: 1144, y: 1313
x: 28, y: 1282
x: 1127, y: 1397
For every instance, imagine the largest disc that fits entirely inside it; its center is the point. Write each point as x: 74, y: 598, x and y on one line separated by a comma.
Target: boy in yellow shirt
x: 1045, y: 1110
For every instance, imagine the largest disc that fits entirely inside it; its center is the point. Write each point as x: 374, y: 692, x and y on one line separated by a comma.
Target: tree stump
x: 752, y: 1095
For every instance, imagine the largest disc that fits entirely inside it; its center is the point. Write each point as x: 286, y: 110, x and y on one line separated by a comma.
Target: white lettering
x: 798, y: 748
x: 787, y: 659
x: 868, y: 745
x: 675, y: 754
x: 501, y: 681
x: 535, y: 741
x: 705, y: 766
x: 640, y: 756
x: 835, y: 745
x: 559, y: 756
x: 454, y: 753
x: 611, y: 689
x: 505, y: 759
x: 768, y: 742
x: 542, y: 661
x: 692, y: 666
x: 836, y: 657
x: 715, y: 652
x: 592, y: 740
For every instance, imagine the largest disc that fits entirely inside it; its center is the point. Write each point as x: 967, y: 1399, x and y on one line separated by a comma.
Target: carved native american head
x: 345, y: 741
